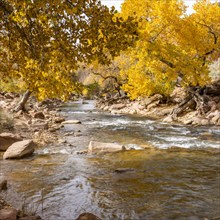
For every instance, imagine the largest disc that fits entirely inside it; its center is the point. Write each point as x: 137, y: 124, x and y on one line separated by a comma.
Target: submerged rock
x: 19, y: 149
x: 7, y: 139
x: 100, y: 147
x: 124, y: 170
x: 3, y: 185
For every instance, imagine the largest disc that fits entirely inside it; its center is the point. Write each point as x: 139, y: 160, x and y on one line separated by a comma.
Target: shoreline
x: 148, y: 108
x: 159, y: 111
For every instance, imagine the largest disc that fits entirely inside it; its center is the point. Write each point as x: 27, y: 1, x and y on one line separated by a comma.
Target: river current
x: 178, y: 179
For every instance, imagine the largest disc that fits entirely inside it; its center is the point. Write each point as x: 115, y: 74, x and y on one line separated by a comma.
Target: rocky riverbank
x: 22, y: 132
x: 41, y: 124
x: 158, y: 108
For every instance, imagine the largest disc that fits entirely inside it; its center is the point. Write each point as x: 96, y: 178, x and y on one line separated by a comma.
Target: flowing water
x: 178, y: 179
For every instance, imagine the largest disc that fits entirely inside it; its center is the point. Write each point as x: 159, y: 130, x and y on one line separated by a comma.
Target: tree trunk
x: 21, y: 105
x: 188, y: 102
x: 203, y: 99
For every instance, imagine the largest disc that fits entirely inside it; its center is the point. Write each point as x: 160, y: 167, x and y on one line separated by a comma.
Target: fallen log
x: 203, y: 99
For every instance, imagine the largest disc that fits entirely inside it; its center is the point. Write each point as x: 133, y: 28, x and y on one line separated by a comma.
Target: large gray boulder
x: 100, y: 147
x: 19, y: 150
x: 7, y: 139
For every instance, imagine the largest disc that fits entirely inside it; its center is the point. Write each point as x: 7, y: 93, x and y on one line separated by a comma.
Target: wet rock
x: 7, y: 139
x: 207, y: 136
x: 82, y: 152
x: 147, y: 146
x: 8, y: 214
x: 39, y: 115
x: 123, y: 170
x: 19, y: 150
x: 77, y: 134
x: 3, y: 185
x: 59, y: 120
x: 72, y: 122
x: 188, y: 122
x: 134, y: 147
x: 168, y: 119
x: 61, y: 141
x: 54, y: 128
x: 100, y: 147
x: 115, y: 112
x: 88, y: 216
x: 69, y: 133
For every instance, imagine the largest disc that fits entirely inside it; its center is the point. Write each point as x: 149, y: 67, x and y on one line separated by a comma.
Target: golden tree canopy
x: 42, y: 42
x: 171, y: 46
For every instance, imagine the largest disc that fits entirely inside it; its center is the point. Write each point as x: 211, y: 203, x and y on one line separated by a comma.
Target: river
x: 178, y: 179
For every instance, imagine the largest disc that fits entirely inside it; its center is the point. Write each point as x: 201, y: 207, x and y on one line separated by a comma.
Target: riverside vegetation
x: 151, y: 58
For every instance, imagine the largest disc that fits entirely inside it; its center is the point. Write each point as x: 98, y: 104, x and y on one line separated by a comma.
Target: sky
x: 117, y: 4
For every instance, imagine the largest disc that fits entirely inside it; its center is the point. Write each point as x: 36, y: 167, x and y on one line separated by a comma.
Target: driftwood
x: 203, y: 99
x: 111, y: 100
x: 21, y: 104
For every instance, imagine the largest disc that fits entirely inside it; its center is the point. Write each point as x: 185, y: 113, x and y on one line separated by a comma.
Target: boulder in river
x: 100, y: 147
x: 124, y: 170
x: 19, y: 149
x: 7, y: 139
x: 72, y: 122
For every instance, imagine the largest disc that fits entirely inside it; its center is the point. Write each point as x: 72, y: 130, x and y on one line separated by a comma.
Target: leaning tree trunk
x: 21, y: 104
x: 203, y: 99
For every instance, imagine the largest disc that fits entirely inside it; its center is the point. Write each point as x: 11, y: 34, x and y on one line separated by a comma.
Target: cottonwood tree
x: 42, y: 42
x: 172, y: 45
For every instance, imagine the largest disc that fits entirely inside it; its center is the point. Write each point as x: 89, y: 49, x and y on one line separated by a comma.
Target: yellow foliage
x: 46, y: 41
x: 43, y: 42
x: 171, y: 45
